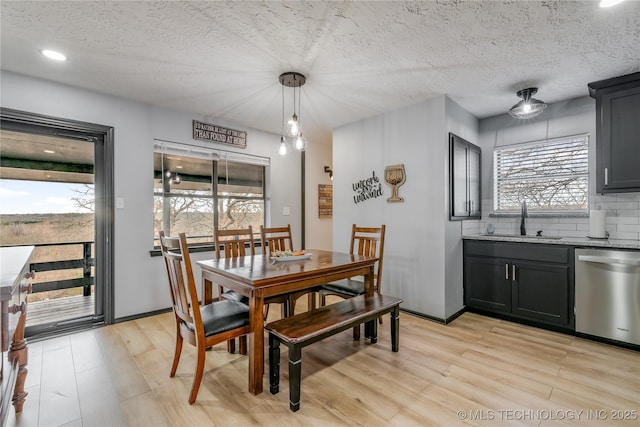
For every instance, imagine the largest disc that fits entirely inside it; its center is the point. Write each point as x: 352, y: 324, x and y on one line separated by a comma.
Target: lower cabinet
x: 531, y: 282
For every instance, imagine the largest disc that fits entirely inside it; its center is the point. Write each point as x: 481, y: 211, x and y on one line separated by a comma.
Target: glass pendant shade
x: 283, y: 150
x: 529, y: 107
x: 300, y: 143
x: 294, y: 128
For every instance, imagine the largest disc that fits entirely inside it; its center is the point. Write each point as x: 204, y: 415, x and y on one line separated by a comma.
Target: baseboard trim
x: 142, y: 315
x: 440, y: 320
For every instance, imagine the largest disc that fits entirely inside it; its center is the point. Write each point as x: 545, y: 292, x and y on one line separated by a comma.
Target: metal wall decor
x: 394, y: 177
x: 368, y: 188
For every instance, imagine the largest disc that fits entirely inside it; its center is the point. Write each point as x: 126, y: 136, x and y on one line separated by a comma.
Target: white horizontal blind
x: 551, y: 175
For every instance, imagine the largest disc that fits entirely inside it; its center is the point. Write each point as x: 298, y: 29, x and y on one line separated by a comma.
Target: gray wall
x: 422, y: 260
x: 140, y: 280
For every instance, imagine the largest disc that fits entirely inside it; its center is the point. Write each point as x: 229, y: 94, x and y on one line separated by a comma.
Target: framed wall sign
x: 222, y: 135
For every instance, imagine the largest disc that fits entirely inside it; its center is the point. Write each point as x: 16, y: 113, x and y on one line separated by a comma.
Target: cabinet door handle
x: 606, y: 176
x: 514, y: 273
x: 506, y: 271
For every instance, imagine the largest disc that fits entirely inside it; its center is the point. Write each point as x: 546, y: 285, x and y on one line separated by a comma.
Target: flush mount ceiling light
x: 52, y: 54
x: 529, y: 107
x: 294, y: 127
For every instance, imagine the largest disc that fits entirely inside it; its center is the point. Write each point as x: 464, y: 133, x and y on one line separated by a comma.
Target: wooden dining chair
x: 202, y: 326
x: 238, y: 243
x: 279, y: 239
x: 367, y: 241
x: 233, y: 243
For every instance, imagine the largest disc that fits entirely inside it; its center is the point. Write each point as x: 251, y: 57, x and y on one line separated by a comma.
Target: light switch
x: 285, y: 210
x: 119, y: 202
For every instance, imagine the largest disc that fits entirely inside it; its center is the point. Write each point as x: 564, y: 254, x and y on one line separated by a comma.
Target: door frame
x: 27, y: 122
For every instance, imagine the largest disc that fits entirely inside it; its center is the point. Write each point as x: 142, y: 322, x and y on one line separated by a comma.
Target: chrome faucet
x: 524, y: 214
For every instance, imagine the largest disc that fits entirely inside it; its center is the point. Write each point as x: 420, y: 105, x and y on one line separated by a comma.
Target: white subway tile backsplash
x: 624, y: 236
x: 629, y: 227
x: 623, y: 219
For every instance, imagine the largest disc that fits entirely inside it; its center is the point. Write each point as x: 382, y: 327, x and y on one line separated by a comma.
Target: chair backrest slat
x: 276, y: 239
x: 234, y: 243
x: 369, y: 241
x: 184, y: 296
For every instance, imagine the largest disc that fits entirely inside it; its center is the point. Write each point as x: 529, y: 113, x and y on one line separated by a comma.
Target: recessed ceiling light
x: 178, y: 167
x: 49, y: 151
x: 609, y: 3
x: 52, y: 54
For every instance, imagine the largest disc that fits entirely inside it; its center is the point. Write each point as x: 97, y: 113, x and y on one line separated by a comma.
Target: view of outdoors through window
x: 550, y: 175
x: 184, y: 196
x: 57, y: 218
x: 47, y: 201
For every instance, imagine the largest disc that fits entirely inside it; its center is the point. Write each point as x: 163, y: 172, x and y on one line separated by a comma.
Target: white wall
x: 318, y: 230
x: 416, y: 259
x: 140, y: 280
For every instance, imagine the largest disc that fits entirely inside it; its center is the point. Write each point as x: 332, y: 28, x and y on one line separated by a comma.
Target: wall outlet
x: 286, y: 211
x: 119, y: 202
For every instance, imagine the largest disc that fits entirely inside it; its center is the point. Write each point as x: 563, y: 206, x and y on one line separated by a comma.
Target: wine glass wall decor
x: 394, y: 176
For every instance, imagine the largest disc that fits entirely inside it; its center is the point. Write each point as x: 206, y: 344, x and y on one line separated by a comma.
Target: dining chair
x: 238, y: 243
x: 202, y: 326
x: 279, y: 239
x: 367, y: 241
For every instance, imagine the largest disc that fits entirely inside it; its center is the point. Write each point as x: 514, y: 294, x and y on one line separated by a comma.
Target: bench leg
x: 395, y: 328
x: 373, y: 330
x: 295, y: 370
x: 356, y: 333
x: 274, y: 364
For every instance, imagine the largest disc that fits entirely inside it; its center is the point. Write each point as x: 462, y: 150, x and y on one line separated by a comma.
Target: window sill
x: 192, y: 250
x: 540, y: 215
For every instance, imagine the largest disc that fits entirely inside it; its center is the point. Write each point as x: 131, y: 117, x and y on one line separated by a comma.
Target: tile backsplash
x: 623, y: 219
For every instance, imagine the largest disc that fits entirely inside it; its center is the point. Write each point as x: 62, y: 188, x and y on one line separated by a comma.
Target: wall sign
x: 207, y: 132
x: 368, y: 188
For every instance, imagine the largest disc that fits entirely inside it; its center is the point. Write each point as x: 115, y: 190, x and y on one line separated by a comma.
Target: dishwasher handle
x: 607, y: 260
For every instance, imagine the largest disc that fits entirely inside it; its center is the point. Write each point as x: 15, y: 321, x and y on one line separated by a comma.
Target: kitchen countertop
x: 571, y: 241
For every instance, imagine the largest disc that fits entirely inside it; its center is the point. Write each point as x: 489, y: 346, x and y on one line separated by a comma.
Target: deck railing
x: 85, y: 263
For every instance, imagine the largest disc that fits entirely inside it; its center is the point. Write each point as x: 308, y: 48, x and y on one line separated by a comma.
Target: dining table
x: 261, y: 276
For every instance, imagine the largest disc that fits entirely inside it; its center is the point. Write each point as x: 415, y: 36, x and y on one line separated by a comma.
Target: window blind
x: 551, y: 175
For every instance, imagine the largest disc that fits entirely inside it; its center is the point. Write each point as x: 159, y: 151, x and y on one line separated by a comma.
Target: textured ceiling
x: 223, y: 59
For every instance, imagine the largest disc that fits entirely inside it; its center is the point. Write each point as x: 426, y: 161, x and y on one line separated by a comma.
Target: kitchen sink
x: 523, y: 237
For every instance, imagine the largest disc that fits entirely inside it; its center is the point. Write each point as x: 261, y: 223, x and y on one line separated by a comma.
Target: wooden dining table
x: 259, y: 277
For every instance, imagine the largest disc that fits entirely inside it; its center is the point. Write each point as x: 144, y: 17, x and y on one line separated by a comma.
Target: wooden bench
x: 306, y: 328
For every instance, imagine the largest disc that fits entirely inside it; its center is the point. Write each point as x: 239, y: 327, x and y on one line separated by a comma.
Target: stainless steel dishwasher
x: 608, y: 294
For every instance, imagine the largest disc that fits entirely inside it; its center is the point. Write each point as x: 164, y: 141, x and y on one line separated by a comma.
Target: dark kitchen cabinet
x: 531, y: 282
x: 617, y: 133
x: 464, y: 179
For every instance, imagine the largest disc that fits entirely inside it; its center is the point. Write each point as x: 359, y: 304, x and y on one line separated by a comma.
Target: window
x: 195, y: 189
x: 551, y: 175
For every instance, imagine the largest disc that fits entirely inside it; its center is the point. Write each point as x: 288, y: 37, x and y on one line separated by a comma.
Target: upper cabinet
x: 464, y: 180
x: 617, y: 133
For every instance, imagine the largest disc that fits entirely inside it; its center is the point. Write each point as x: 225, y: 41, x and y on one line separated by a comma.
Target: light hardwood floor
x: 475, y: 371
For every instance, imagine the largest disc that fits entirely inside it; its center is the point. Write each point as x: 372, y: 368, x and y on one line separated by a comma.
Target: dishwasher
x: 607, y: 298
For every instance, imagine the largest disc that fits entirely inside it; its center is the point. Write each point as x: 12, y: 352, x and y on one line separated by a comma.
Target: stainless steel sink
x: 517, y: 236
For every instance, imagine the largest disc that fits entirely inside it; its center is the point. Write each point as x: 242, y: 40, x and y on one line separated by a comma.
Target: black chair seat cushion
x: 223, y: 315
x: 235, y: 296
x: 346, y: 286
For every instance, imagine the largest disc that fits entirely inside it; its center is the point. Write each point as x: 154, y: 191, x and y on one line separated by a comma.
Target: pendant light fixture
x: 529, y: 107
x: 293, y: 80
